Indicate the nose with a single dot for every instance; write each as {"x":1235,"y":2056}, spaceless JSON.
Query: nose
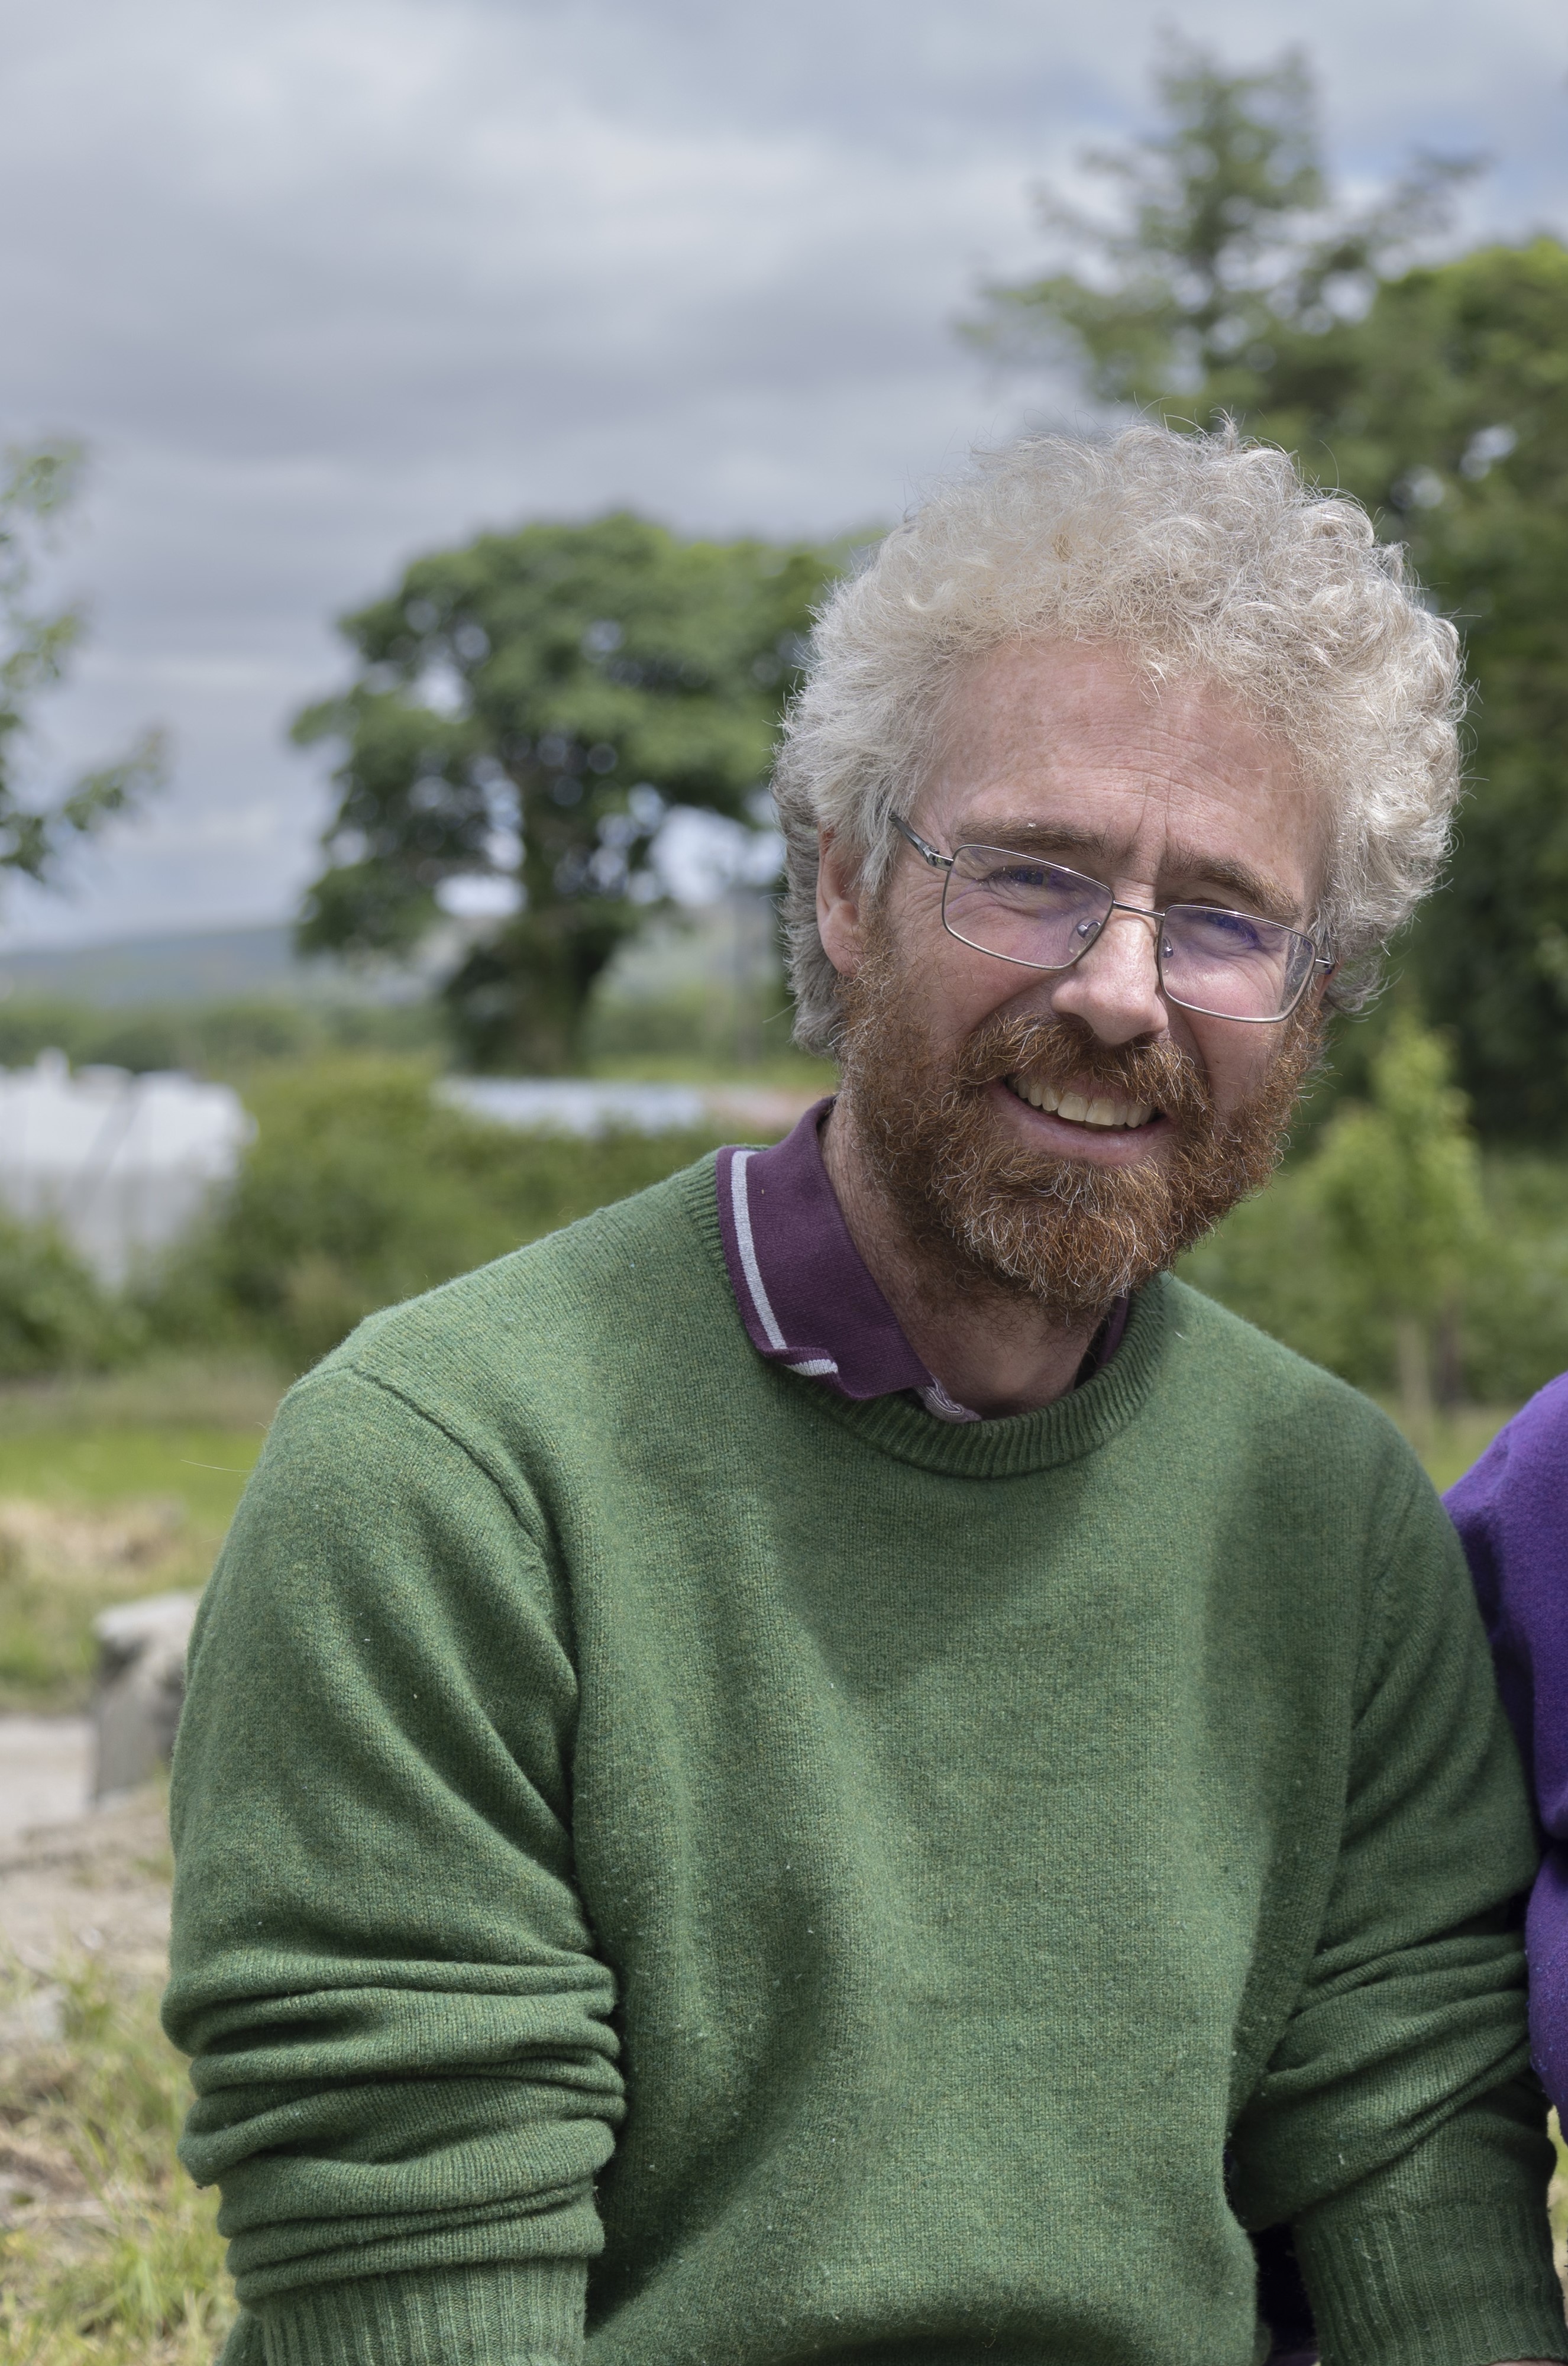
{"x":1114,"y":986}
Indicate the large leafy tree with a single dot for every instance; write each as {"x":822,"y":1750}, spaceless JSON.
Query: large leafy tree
{"x":526,"y":711}
{"x":1230,"y":285}
{"x":38,"y":484}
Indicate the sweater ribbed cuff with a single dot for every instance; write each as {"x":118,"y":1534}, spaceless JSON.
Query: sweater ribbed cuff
{"x":1443,"y":2286}
{"x":524,"y":2313}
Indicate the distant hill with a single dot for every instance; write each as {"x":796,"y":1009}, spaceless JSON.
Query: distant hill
{"x":207,"y":965}
{"x":722,"y":944}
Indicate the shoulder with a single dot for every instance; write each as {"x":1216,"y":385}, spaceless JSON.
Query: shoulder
{"x":1267,"y":1384}
{"x":1511,"y":1508}
{"x":1528,"y":1456}
{"x":1319,"y":1478}
{"x":1293,"y":1452}
{"x":563,"y":1320}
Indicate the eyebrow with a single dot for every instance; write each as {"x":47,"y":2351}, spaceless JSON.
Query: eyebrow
{"x":1256,"y":890}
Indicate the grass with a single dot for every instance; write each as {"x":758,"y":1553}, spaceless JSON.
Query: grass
{"x":110,"y":1489}
{"x":107,"y":2252}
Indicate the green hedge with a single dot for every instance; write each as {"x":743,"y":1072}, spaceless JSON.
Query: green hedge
{"x":53,"y":1315}
{"x":209,"y":1039}
{"x":1503,"y":1334}
{"x":360,"y":1190}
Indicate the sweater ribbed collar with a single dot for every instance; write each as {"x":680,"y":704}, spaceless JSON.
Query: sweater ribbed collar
{"x":805,"y":1294}
{"x":1076,"y":1424}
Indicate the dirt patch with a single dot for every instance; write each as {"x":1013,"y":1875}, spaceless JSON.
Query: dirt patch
{"x":107,"y":2252}
{"x":40,"y":1540}
{"x":97,"y":1886}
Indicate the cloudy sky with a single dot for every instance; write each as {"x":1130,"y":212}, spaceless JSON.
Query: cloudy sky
{"x":328,"y":282}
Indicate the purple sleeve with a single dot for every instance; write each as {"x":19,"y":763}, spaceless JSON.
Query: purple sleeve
{"x":1511,"y":1512}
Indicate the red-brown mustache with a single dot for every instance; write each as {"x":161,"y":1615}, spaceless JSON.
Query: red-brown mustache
{"x":1065,"y":1054}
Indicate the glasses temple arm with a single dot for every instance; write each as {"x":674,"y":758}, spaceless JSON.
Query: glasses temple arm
{"x":928,"y":853}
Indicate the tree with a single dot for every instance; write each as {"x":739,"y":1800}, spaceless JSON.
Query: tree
{"x":526,"y":709}
{"x":1230,"y":267}
{"x":1439,"y":395}
{"x":1398,"y":1180}
{"x":37,"y":486}
{"x":1455,"y":426}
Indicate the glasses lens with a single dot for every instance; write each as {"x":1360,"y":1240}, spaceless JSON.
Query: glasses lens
{"x":1231,"y":964}
{"x":1022,"y":908}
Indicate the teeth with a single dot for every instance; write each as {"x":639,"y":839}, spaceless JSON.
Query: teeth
{"x":1102,"y":1110}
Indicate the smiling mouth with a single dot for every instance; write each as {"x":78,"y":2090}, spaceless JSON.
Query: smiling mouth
{"x":1077,"y":1109}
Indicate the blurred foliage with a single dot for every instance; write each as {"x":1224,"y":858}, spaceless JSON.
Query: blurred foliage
{"x":1228,"y":263}
{"x":59,"y":1567}
{"x":38,"y":484}
{"x":53,"y":1315}
{"x":1397,"y":1255}
{"x":701,"y":1030}
{"x":697,"y":1030}
{"x":361,"y":1189}
{"x":1231,"y":283}
{"x":526,"y":709}
{"x":1397,"y":1179}
{"x":212,"y":1039}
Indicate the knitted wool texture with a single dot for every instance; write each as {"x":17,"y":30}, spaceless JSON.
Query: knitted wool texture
{"x":678,"y":1869}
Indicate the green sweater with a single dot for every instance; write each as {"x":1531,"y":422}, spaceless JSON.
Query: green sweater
{"x":809,"y":1882}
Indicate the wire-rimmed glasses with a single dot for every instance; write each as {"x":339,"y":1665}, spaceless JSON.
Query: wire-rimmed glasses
{"x":1027,"y":909}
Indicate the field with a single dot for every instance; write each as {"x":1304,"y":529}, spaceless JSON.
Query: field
{"x":109,"y":1488}
{"x":112,"y":1488}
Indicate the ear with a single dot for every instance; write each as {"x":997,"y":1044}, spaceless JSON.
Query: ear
{"x":837,"y":908}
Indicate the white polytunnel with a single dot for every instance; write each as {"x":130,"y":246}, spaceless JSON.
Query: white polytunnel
{"x":122,"y":1165}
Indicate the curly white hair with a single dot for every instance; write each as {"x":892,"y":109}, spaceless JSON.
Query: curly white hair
{"x":1197,"y":557}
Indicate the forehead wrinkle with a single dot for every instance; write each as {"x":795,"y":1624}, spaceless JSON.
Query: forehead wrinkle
{"x":1262,"y":893}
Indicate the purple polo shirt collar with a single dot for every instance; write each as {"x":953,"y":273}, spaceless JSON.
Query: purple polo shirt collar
{"x":804,"y":1291}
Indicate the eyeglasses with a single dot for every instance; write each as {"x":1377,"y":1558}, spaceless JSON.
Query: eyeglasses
{"x":1025,"y":909}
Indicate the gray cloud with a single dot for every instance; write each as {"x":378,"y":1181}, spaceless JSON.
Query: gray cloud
{"x":330,"y":282}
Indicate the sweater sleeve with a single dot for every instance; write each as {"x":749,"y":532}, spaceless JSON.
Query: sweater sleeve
{"x":405,"y":2075}
{"x":1397,"y":2126}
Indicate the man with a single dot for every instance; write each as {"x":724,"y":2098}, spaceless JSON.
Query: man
{"x":829,"y":1764}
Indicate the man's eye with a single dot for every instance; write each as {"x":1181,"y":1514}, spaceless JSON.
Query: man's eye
{"x":1027,"y":878}
{"x":1225,"y":931}
{"x":1007,"y":878}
